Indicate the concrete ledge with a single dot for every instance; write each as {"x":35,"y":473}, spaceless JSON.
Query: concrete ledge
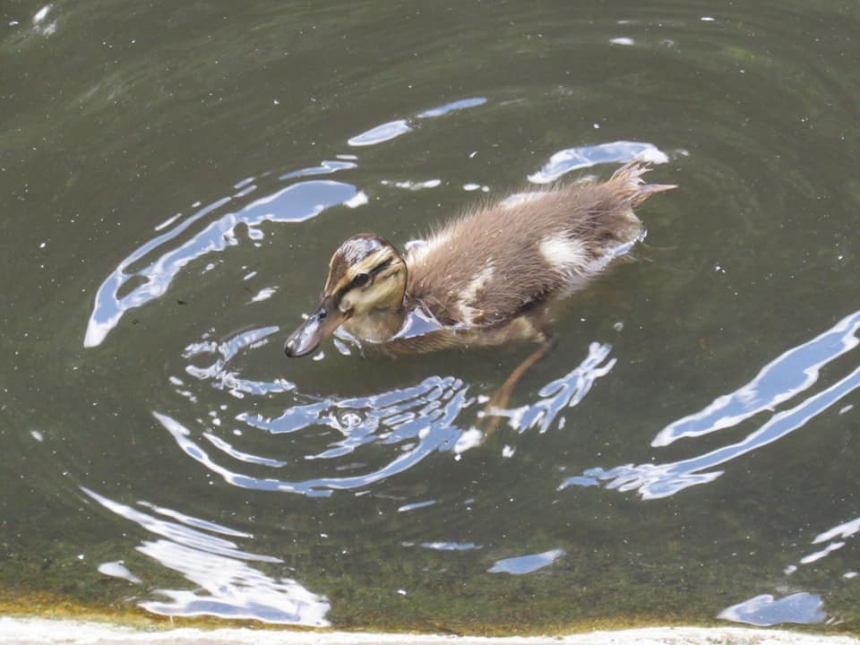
{"x":39,"y":631}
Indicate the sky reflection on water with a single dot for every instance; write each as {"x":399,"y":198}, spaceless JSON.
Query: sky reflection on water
{"x":417,"y":421}
{"x":226,"y":582}
{"x":790,"y":374}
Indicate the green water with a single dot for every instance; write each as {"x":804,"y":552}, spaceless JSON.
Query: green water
{"x":173,"y":180}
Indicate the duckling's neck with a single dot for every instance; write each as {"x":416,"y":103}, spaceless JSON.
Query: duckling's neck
{"x":378,"y":325}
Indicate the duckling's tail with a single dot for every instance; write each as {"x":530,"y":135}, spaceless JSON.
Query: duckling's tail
{"x":629,"y":180}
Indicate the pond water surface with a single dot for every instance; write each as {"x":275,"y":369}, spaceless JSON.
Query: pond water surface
{"x":173,"y":180}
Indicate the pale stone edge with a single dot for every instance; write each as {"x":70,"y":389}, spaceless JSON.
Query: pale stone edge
{"x":40,"y":631}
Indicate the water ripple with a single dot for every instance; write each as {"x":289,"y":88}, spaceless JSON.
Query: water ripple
{"x":418,"y":420}
{"x":394,"y":129}
{"x":793,"y":372}
{"x":562,"y":393}
{"x":565,"y":161}
{"x":785,"y":377}
{"x":393,"y":430}
{"x":764,"y":610}
{"x":226,"y":585}
{"x":127,"y":288}
{"x":526,"y":563}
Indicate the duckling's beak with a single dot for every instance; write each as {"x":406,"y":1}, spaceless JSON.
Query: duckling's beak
{"x":319,"y":326}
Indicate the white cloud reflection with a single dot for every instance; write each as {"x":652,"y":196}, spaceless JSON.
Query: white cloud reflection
{"x":526,"y":563}
{"x":785,"y":378}
{"x":765,"y":610}
{"x":565,"y":161}
{"x":223,"y":583}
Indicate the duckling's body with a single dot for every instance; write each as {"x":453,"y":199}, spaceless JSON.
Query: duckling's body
{"x":487,"y":277}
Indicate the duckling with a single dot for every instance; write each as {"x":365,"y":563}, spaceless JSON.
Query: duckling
{"x":489,"y":277}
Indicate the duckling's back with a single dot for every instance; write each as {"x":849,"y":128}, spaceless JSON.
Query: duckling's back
{"x":493,"y":264}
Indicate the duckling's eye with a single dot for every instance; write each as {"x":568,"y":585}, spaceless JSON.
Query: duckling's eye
{"x":360,"y":280}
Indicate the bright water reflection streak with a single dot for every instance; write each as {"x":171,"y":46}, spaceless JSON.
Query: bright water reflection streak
{"x":404,"y":425}
{"x":784,"y":378}
{"x":226,"y":582}
{"x":294,"y":203}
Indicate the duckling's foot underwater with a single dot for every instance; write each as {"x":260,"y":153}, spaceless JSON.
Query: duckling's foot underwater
{"x":491,"y":276}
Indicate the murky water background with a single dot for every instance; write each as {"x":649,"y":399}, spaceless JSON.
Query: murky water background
{"x":173,"y":180}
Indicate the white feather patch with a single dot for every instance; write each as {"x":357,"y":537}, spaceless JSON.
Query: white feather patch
{"x":469,"y":296}
{"x":565,"y":255}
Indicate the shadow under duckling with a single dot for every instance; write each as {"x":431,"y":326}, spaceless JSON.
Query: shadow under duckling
{"x":490,"y":276}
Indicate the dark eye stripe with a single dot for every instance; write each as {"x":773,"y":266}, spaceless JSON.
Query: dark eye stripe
{"x":356,"y":280}
{"x":363,"y":278}
{"x":380,"y":267}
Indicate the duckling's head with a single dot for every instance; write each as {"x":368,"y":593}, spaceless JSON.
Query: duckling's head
{"x":364,"y":291}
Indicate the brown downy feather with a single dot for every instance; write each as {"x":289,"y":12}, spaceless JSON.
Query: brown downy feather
{"x":493,"y":263}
